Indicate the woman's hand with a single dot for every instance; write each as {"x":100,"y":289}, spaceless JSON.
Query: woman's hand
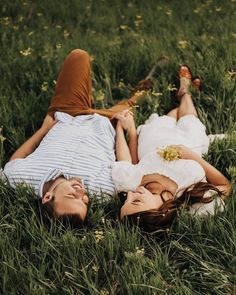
{"x":48,"y":123}
{"x":185,"y":152}
{"x":126,"y":120}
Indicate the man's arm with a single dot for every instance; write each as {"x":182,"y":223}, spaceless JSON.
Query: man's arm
{"x":213,"y":175}
{"x":31,"y":144}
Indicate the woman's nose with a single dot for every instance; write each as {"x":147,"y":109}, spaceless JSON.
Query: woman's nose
{"x":130,"y":196}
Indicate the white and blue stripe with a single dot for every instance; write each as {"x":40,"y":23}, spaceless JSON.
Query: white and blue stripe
{"x":81,"y":146}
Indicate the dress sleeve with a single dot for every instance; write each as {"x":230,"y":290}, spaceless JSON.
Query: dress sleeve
{"x":126,"y":176}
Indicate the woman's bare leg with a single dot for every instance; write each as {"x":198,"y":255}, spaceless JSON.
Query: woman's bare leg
{"x":186,"y":106}
{"x":173,"y":113}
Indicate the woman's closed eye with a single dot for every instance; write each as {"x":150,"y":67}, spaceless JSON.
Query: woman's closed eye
{"x":136,"y":201}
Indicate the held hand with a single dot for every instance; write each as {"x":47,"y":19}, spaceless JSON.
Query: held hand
{"x":48,"y":123}
{"x":126,"y":120}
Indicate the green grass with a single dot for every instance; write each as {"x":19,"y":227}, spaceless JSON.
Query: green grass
{"x":195,"y":256}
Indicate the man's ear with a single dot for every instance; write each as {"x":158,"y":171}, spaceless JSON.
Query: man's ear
{"x":47,"y":197}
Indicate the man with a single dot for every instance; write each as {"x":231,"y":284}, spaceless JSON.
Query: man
{"x":71,"y":154}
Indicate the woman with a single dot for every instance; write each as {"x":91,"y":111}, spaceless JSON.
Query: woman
{"x":162,"y":180}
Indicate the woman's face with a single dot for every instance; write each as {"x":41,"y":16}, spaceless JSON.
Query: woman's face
{"x":140,"y":200}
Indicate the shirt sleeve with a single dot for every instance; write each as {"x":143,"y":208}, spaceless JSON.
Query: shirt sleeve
{"x":126,"y":176}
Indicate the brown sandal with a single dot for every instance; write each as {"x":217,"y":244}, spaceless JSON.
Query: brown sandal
{"x":196,"y":81}
{"x":184,"y":72}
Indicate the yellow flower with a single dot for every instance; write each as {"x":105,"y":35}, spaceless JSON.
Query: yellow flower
{"x":121,"y":84}
{"x":26,"y":52}
{"x":100,"y":96}
{"x":92,"y":58}
{"x":30,"y":33}
{"x":39,"y":14}
{"x":2,"y":138}
{"x":171,"y":87}
{"x":123,"y":27}
{"x":140,"y":251}
{"x":168,"y":12}
{"x":104,"y":292}
{"x":218,"y":9}
{"x":66,"y":34}
{"x":196,"y":10}
{"x":21,"y":18}
{"x":139,"y":93}
{"x":44,"y":86}
{"x":169,"y":153}
{"x":5,"y":20}
{"x":94,"y":268}
{"x":182,"y":44}
{"x":58,"y":45}
{"x":156,"y":93}
{"x":99,"y":235}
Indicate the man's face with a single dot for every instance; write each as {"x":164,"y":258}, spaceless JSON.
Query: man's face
{"x":70,"y":198}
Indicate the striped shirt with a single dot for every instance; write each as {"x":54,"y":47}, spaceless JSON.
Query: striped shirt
{"x":81,"y":146}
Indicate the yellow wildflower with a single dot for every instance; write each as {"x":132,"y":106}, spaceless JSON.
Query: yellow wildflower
{"x":92,"y":58}
{"x":168,"y":12}
{"x":139,"y":251}
{"x":100,"y":96}
{"x":171,"y":87}
{"x":139,"y":93}
{"x":156,"y":93}
{"x":196,"y":10}
{"x":39,"y":14}
{"x":104,"y":292}
{"x":58,"y":45}
{"x":94,"y":268}
{"x":44,"y":86}
{"x":169,"y":153}
{"x":30,"y":33}
{"x":182,"y":44}
{"x":21,"y":18}
{"x":26,"y":52}
{"x":218,"y":9}
{"x":123,"y":27}
{"x":99,"y":235}
{"x":66,"y":34}
{"x":5,"y":20}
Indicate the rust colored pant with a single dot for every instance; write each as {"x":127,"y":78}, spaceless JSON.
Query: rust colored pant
{"x":73,"y":89}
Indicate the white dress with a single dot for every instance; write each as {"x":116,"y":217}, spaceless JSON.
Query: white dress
{"x":159,"y":132}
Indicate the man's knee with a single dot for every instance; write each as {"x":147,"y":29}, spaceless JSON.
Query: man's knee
{"x":79,"y":53}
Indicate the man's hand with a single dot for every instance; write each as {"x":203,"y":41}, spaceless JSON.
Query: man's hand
{"x":48,"y":123}
{"x":126,"y":120}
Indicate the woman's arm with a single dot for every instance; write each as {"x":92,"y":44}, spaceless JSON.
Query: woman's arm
{"x":31,"y":144}
{"x":126,"y":123}
{"x":122,"y":149}
{"x":213,"y":175}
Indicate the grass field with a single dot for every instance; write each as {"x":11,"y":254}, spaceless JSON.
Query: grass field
{"x":124,"y":38}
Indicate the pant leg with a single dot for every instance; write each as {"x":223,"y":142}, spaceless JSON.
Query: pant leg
{"x":73,"y":89}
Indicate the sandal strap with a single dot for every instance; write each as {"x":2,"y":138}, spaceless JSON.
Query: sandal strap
{"x":184,"y":72}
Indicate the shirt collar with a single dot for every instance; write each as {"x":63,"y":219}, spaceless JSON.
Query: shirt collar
{"x":49,"y":175}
